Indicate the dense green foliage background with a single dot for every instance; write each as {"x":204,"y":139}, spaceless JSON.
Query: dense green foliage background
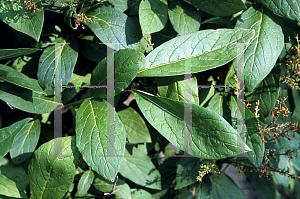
{"x":153,"y":41}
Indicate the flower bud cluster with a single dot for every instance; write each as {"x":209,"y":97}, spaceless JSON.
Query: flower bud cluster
{"x":205,"y":169}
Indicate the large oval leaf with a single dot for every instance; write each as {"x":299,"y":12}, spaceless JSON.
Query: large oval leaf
{"x":11,"y":75}
{"x":122,"y":32}
{"x":127,"y":63}
{"x":210,"y":137}
{"x":7,"y":135}
{"x":138,"y":167}
{"x":47,"y":68}
{"x":209,"y":49}
{"x":265,"y":46}
{"x":51,"y":176}
{"x":16,"y":15}
{"x":153,"y":15}
{"x":26,"y":100}
{"x":287,"y":8}
{"x":25,"y":142}
{"x":92,"y":137}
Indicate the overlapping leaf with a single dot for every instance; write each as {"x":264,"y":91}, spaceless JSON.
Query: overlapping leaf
{"x":208,"y":49}
{"x":224,"y":188}
{"x":7,"y":135}
{"x":11,"y":75}
{"x":284,"y":8}
{"x":8,"y":187}
{"x":68,"y":54}
{"x":219,"y":7}
{"x":209,"y":135}
{"x":10,"y":53}
{"x":136,"y":129}
{"x":266,"y":92}
{"x":153,"y":15}
{"x":50,"y":175}
{"x":121,"y":33}
{"x":26,"y":100}
{"x":127,"y":63}
{"x":265,"y":46}
{"x":92,"y":137}
{"x":138,"y":167}
{"x":85,"y":183}
{"x":175,"y":88}
{"x":186,"y":171}
{"x":184,"y":18}
{"x":25,"y":142}
{"x":17,"y":16}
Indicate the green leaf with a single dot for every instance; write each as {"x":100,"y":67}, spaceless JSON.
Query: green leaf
{"x":92,"y":139}
{"x":265,"y":47}
{"x":121,"y":32}
{"x":89,"y":46}
{"x":124,"y":190}
{"x":47,"y":68}
{"x":203,"y":189}
{"x":12,"y":76}
{"x":153,"y":15}
{"x":26,"y":100}
{"x":29,"y":22}
{"x":7,"y":135}
{"x":224,"y":188}
{"x":50,"y":176}
{"x":174,"y":88}
{"x":17,"y":52}
{"x":206,"y":93}
{"x":140,"y":194}
{"x":186,"y":172}
{"x":25,"y":142}
{"x":218,"y":105}
{"x":219,"y":7}
{"x":209,"y":49}
{"x":15,"y":173}
{"x":85,"y":183}
{"x":138,"y":167}
{"x":8,"y":187}
{"x":184,"y":18}
{"x":127,"y":63}
{"x":136,"y":129}
{"x":210,"y":137}
{"x":288,"y":8}
{"x":266,"y":92}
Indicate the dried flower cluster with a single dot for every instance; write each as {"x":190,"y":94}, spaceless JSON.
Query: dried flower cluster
{"x":292,"y":76}
{"x":205,"y":169}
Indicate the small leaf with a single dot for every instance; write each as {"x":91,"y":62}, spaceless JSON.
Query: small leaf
{"x":25,"y":142}
{"x":17,"y":52}
{"x":121,"y":32}
{"x":47,"y":68}
{"x":138,"y":167}
{"x":8,"y":187}
{"x":50,"y":176}
{"x":209,"y":49}
{"x":136,"y":129}
{"x":224,"y":188}
{"x":12,"y":76}
{"x":184,"y":18}
{"x":7,"y":135}
{"x":140,"y":194}
{"x":153,"y":15}
{"x":29,"y":22}
{"x":26,"y":100}
{"x":92,"y":137}
{"x":210,"y":135}
{"x":85,"y":183}
{"x":127,"y":63}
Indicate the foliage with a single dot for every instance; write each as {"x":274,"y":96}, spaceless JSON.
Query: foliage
{"x":171,"y":60}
